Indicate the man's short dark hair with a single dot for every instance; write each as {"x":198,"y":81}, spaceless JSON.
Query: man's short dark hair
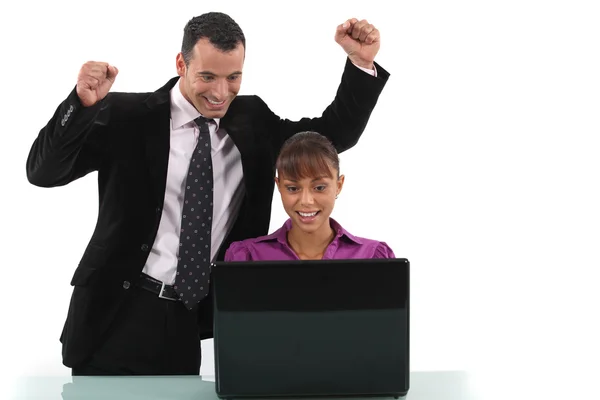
{"x":219,"y":28}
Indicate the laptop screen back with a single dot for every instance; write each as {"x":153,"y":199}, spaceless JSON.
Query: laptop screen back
{"x":311,"y":328}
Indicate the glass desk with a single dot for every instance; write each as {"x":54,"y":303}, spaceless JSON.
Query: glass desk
{"x":443,"y":385}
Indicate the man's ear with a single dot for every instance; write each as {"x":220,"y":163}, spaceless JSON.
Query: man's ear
{"x":180,"y":64}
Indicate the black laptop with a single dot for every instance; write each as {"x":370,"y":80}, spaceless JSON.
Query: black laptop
{"x":311,"y":328}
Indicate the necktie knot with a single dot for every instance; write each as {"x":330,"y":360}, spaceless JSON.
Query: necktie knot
{"x":202,"y":123}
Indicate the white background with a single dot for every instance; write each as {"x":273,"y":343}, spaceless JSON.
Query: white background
{"x":480,"y":164}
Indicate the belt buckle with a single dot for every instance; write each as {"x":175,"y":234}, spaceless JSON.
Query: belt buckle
{"x":162,"y":290}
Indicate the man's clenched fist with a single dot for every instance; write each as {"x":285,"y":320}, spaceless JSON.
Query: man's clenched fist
{"x":94,"y":81}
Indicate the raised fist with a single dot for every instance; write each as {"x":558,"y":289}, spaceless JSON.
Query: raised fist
{"x":94,"y":81}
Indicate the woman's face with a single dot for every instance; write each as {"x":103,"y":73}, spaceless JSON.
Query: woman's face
{"x":310,"y":201}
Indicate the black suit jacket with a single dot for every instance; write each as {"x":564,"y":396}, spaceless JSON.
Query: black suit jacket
{"x":125,"y":138}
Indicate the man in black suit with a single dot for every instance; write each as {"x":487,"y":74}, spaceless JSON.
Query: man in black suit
{"x":182,"y":172}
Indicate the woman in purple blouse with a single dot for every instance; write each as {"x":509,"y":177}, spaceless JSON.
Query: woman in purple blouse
{"x":309,"y":181}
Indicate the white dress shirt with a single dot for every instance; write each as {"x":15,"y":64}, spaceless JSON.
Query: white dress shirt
{"x":228,"y":189}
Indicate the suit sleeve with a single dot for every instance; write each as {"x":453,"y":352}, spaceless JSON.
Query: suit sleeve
{"x":345,"y":119}
{"x":70,"y":146}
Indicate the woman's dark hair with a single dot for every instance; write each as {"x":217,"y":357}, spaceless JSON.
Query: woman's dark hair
{"x":305,"y":155}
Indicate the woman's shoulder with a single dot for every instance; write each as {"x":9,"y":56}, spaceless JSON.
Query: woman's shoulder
{"x":255,"y":248}
{"x":378,"y":248}
{"x":242,"y":250}
{"x":371,"y":248}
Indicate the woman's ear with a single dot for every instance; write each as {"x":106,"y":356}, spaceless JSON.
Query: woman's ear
{"x":340,"y":185}
{"x":277,"y":184}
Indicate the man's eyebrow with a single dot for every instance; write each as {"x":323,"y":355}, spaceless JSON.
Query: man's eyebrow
{"x":213,"y":74}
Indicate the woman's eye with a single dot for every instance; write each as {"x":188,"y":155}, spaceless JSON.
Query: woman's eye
{"x":291,"y":189}
{"x":320,"y":188}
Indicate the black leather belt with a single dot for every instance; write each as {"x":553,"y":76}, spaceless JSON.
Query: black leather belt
{"x":157,"y":287}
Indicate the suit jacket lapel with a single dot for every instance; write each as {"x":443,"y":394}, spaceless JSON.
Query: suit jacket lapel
{"x":238,"y":126}
{"x":234,"y":122}
{"x":157,"y":125}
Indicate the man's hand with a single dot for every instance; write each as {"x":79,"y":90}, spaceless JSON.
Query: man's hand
{"x":94,"y":81}
{"x":360,"y":40}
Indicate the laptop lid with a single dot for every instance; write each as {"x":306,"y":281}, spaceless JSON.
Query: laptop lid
{"x":311,"y":328}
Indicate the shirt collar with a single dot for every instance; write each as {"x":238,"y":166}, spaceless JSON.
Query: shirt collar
{"x":341,"y":232}
{"x":280,"y":234}
{"x":182,"y":111}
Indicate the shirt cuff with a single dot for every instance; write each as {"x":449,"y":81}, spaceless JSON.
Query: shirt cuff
{"x":372,"y":72}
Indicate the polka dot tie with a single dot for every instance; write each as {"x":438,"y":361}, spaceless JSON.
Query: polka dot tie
{"x":193,"y":266}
